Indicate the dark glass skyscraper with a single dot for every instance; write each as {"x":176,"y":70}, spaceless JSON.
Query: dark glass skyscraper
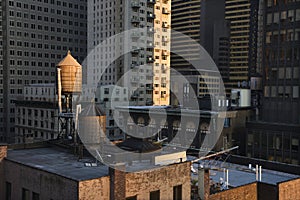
{"x":276,"y":136}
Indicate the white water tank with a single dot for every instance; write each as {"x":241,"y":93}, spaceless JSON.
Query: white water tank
{"x":241,"y":97}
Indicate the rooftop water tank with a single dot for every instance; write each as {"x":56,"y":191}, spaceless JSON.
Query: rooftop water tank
{"x":71,"y":75}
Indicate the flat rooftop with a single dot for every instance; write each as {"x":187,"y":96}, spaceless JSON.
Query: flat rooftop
{"x":58,"y":161}
{"x":241,"y":175}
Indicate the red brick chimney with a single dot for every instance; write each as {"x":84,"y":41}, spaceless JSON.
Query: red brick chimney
{"x":117,"y":183}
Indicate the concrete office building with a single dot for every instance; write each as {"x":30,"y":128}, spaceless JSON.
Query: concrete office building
{"x":185,"y":19}
{"x":198,"y":20}
{"x":108,"y":97}
{"x":215,"y":34}
{"x":148,"y":58}
{"x":275,"y":135}
{"x":34,"y":36}
{"x":226,"y":29}
{"x":36,"y":114}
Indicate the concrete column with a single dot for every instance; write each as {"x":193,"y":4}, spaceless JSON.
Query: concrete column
{"x":203,"y":183}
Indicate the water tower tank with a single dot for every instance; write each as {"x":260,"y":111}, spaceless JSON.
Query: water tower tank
{"x":71,"y":75}
{"x":92,"y":125}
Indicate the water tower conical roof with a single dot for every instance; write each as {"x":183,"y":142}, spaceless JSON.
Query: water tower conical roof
{"x":93,"y":110}
{"x":69,"y":60}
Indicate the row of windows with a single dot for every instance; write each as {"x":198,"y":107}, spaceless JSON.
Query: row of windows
{"x":46,"y":28}
{"x":52,"y":20}
{"x":283,"y":36}
{"x":36,"y":113}
{"x":33,"y":63}
{"x":18,"y":14}
{"x":28,"y":135}
{"x":281,"y":91}
{"x":36,"y":123}
{"x":27,"y":82}
{"x":46,"y":37}
{"x":277,"y":2}
{"x":289,"y":16}
{"x":39,"y":8}
{"x":26,"y":72}
{"x":40,"y":55}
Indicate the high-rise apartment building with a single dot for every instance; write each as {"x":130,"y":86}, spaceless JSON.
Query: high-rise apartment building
{"x":34,"y":36}
{"x":275,"y":136}
{"x":243,"y":21}
{"x":143,"y":52}
{"x":186,"y":20}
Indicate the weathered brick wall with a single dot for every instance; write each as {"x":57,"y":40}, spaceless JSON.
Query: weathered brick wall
{"x":163,"y":179}
{"x":246,"y":192}
{"x":94,"y":189}
{"x":3,"y":154}
{"x":289,"y":190}
{"x":49,"y":186}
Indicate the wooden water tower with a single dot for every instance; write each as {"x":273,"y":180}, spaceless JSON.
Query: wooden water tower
{"x":69,"y":84}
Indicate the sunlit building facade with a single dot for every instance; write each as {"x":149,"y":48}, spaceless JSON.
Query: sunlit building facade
{"x":139,"y":60}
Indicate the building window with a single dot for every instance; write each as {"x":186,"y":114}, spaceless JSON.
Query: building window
{"x":8,"y":191}
{"x":25,"y":194}
{"x":295,"y":145}
{"x":131,"y":198}
{"x":177,"y":192}
{"x":155,"y":195}
{"x":35,"y":196}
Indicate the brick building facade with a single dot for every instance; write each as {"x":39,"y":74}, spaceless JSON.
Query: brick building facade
{"x":51,"y":173}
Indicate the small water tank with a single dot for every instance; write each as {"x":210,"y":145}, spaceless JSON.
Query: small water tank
{"x":92,"y":125}
{"x":71,"y":75}
{"x":241,"y":97}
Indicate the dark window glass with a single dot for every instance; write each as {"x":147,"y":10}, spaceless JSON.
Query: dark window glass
{"x":155,"y":195}
{"x":8,"y":191}
{"x":177,"y":192}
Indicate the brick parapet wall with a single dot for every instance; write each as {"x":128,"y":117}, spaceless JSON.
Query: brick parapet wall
{"x":94,"y":189}
{"x":164,"y":178}
{"x":246,"y":192}
{"x":289,"y":189}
